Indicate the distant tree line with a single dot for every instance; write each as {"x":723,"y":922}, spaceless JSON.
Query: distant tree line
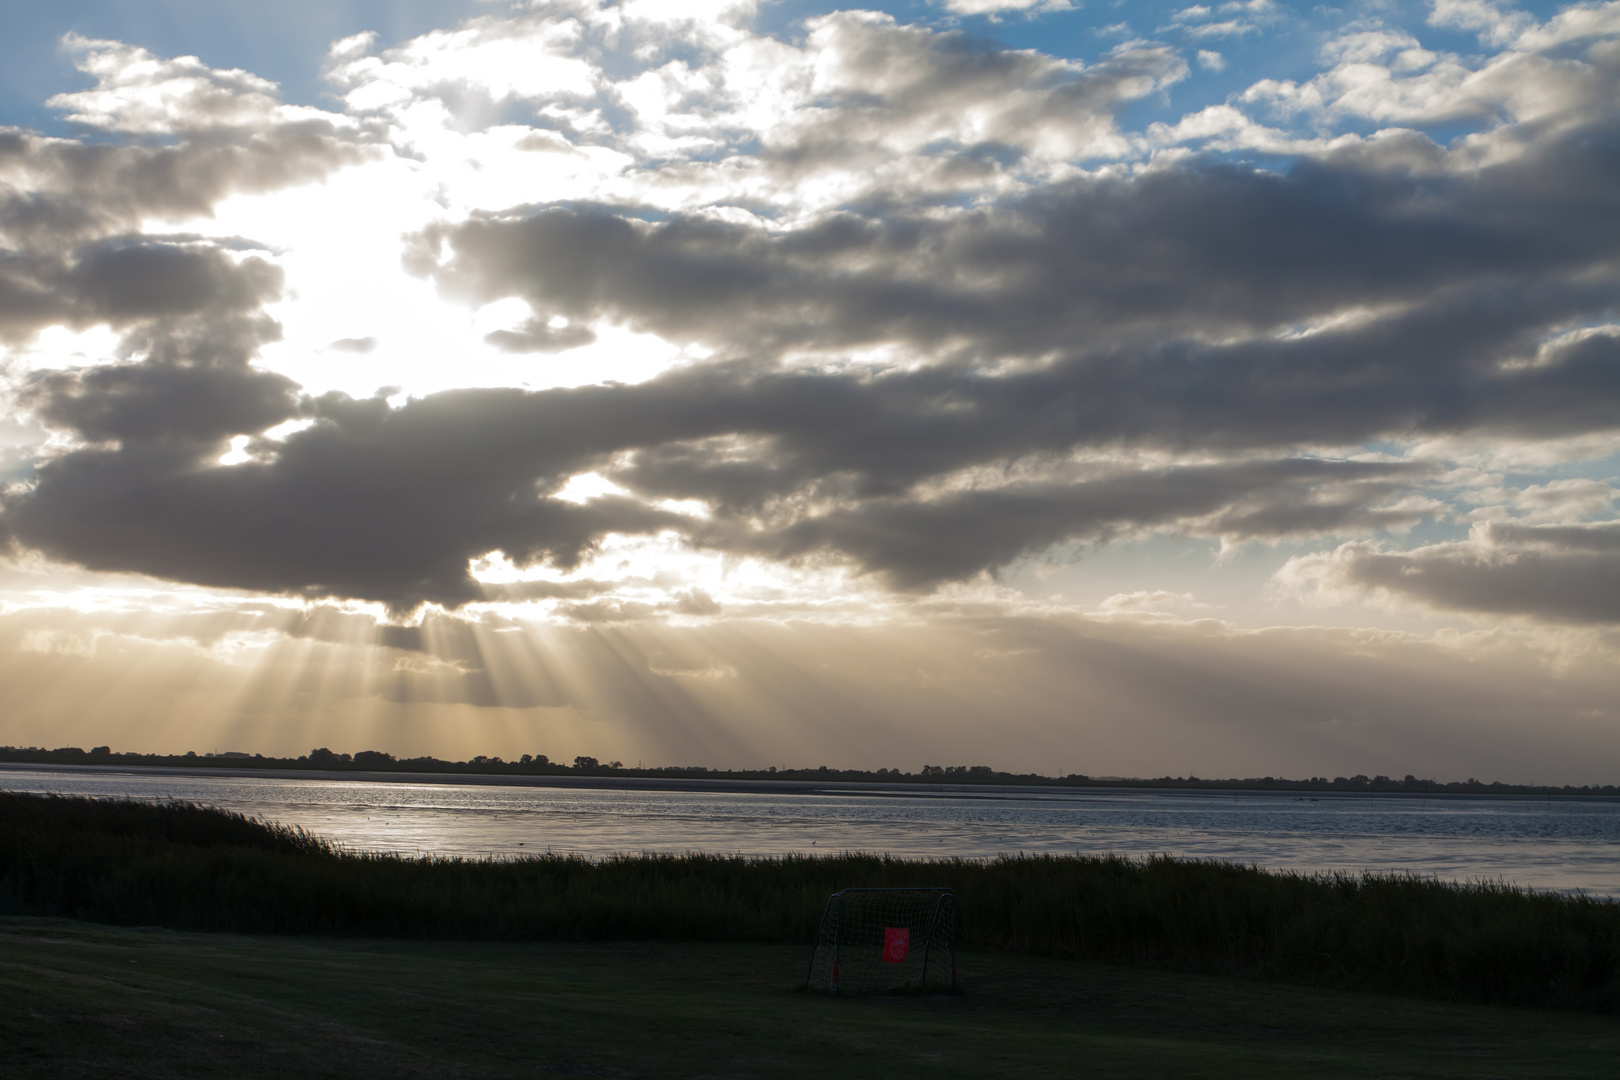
{"x":539,"y":765}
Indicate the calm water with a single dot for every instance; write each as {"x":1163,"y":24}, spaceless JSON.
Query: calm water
{"x":1561,"y":845}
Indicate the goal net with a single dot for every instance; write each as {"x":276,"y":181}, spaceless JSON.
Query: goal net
{"x":886,"y":939}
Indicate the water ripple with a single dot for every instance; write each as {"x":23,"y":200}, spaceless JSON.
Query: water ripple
{"x":1560,"y":845}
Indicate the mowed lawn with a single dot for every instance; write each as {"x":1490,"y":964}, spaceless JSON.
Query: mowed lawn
{"x":78,"y":999}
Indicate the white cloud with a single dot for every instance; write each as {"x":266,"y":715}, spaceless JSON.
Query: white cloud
{"x":1226,"y":28}
{"x":1555,"y":502}
{"x":138,"y":93}
{"x":1366,"y":46}
{"x":1387,"y":77}
{"x":1152,"y":601}
{"x":1496,"y":24}
{"x":534,"y":57}
{"x":667,"y":12}
{"x":996,"y":7}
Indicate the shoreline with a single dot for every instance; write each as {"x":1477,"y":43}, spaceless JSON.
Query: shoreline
{"x":751,"y":786}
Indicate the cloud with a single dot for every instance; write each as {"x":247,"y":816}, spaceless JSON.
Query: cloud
{"x":1555,"y":75}
{"x":1363,"y":46}
{"x":917,"y":543}
{"x":1200,"y":21}
{"x":406,"y":495}
{"x":499,"y":58}
{"x":392,"y":504}
{"x":700,"y":112}
{"x":920,"y":389}
{"x":880,"y":85}
{"x":545,"y":590}
{"x":138,"y":93}
{"x":120,"y":281}
{"x":1153,"y":602}
{"x":1550,"y":573}
{"x":1354,"y":296}
{"x":540,"y":336}
{"x":1196,"y":310}
{"x":1557,"y":501}
{"x":195,"y":401}
{"x":177,"y":137}
{"x":1494,"y":25}
{"x":996,"y":7}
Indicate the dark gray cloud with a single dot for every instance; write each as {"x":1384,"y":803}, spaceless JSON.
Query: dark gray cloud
{"x":392,"y":504}
{"x":124,"y":280}
{"x":192,"y":314}
{"x":539,"y":336}
{"x":159,"y":403}
{"x":1552,"y":573}
{"x":369,"y":502}
{"x":1163,"y":310}
{"x":1598,"y":538}
{"x":1207,"y":252}
{"x":918,"y":543}
{"x":117,"y":282}
{"x":58,"y":191}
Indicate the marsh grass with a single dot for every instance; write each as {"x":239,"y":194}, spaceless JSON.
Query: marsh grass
{"x":196,"y":868}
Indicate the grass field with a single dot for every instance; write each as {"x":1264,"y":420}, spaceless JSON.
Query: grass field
{"x":78,"y":999}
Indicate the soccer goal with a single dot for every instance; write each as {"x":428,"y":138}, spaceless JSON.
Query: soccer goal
{"x":886,"y":939}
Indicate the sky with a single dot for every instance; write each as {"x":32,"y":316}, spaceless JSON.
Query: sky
{"x":1124,"y":389}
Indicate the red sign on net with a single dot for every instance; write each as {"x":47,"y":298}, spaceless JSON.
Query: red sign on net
{"x":896,"y":944}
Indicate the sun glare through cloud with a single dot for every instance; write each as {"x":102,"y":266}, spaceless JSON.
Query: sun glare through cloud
{"x":1228,"y":387}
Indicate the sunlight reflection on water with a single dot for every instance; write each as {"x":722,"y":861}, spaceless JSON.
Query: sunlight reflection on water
{"x":1546,"y":844}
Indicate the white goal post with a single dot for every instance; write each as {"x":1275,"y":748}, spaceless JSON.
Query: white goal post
{"x":873,"y":940}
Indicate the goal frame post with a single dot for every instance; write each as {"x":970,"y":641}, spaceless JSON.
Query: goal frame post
{"x":944,"y":907}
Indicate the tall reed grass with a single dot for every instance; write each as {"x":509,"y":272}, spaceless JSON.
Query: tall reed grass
{"x":190,"y":867}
